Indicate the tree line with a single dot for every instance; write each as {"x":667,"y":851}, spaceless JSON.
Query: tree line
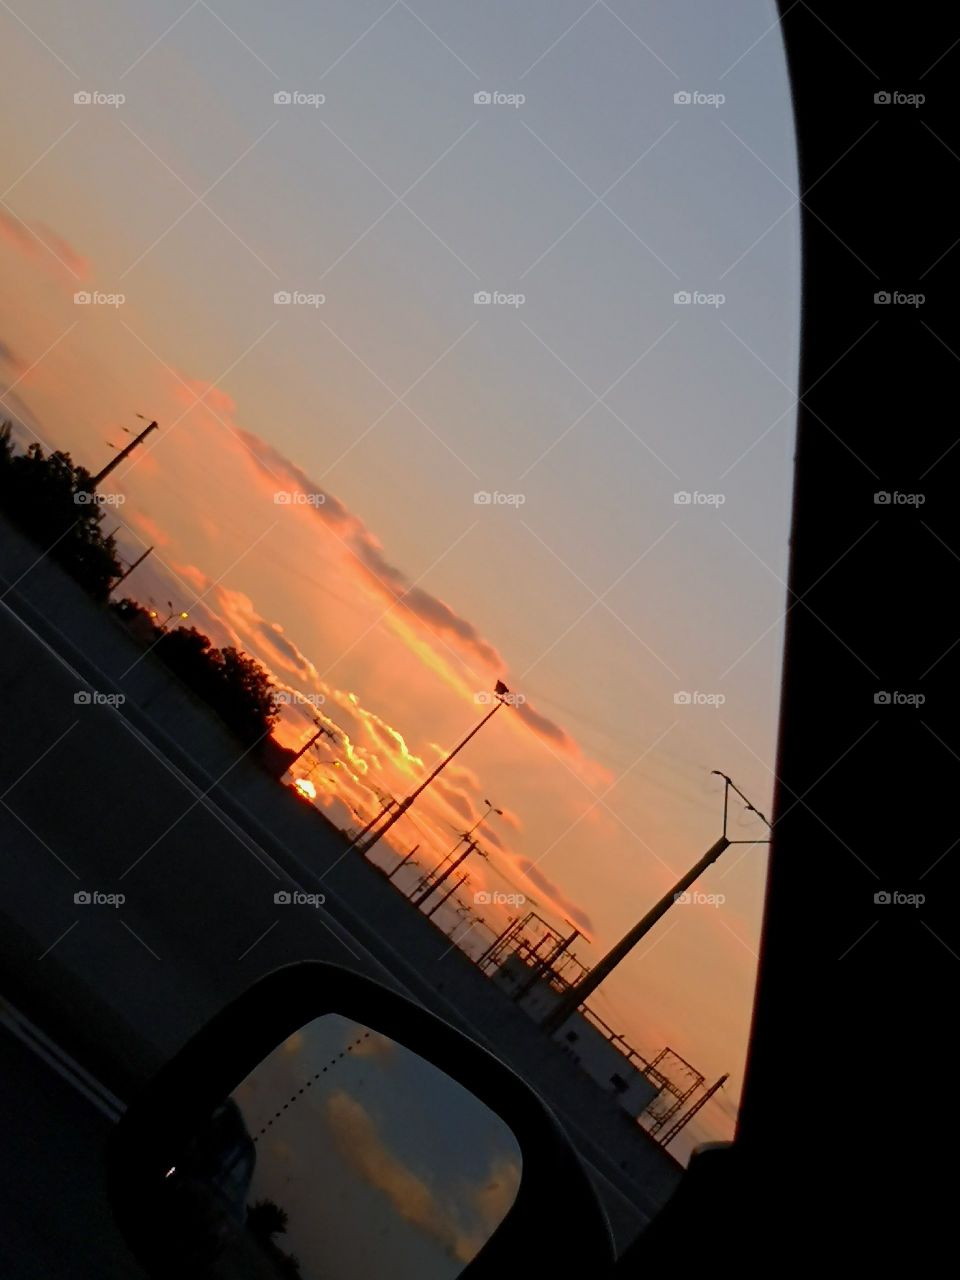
{"x":50,"y":499}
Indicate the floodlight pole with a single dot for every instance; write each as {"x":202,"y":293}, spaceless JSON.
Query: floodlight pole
{"x":403,"y":805}
{"x":576,"y":995}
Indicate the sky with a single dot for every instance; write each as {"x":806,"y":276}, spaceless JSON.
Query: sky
{"x":423,"y":1168}
{"x":393,"y":491}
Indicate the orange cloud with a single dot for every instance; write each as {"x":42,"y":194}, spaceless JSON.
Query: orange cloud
{"x":158,"y":537}
{"x":373,"y":568}
{"x":190,"y":573}
{"x":37,"y":241}
{"x":435,"y":616}
{"x":360,"y":1144}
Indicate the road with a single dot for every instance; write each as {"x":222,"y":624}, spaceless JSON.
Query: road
{"x":107,"y":799}
{"x":56,"y":1224}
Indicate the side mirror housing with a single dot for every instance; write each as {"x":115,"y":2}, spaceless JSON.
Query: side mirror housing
{"x":323,"y":1126}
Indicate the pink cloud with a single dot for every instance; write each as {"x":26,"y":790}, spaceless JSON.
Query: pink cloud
{"x":36,"y":241}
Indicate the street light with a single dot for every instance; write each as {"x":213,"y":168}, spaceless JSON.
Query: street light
{"x":500,"y":695}
{"x":464,"y":835}
{"x":182,"y":613}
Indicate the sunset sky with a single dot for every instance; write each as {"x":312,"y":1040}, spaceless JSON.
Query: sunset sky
{"x":380,"y":412}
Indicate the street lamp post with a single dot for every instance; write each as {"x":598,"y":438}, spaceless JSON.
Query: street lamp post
{"x":465,"y":835}
{"x":421,"y":897}
{"x":163,"y":625}
{"x":500,"y":696}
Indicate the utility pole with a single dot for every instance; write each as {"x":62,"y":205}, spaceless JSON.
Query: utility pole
{"x":453,"y":889}
{"x":671,"y":1133}
{"x":124,"y":453}
{"x":386,"y":808}
{"x":127,"y":572}
{"x":545,"y":965}
{"x":430,"y":889}
{"x":500,"y":695}
{"x":464,"y":835}
{"x":576,"y":995}
{"x":501,"y":939}
{"x":403,"y":861}
{"x":321,"y":730}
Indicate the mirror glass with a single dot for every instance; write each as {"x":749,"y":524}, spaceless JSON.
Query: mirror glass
{"x":342,"y":1155}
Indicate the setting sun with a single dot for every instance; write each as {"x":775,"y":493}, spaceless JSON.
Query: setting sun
{"x":306,"y":788}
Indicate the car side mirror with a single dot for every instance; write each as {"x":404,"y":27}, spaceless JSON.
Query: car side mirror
{"x":324,"y":1127}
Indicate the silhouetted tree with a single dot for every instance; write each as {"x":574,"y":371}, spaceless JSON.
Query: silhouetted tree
{"x":266,"y":1219}
{"x":233,"y":683}
{"x":250,"y":706}
{"x":50,"y":499}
